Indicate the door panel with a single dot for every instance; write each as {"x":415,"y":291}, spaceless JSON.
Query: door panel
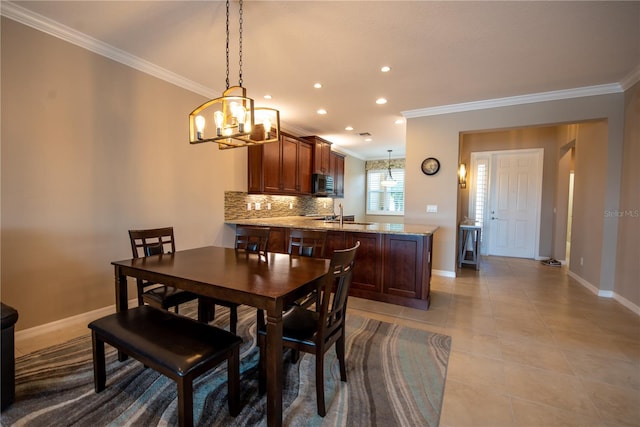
{"x":514,"y":201}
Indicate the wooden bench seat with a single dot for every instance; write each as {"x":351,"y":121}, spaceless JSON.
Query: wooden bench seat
{"x":176,"y":346}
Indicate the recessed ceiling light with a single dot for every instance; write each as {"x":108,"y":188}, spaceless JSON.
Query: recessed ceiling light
{"x":321,"y":111}
{"x":317,"y":85}
{"x":381,"y":101}
{"x":385,"y":69}
{"x":368,"y":139}
{"x":349,"y":128}
{"x":267,"y":97}
{"x":399,"y":121}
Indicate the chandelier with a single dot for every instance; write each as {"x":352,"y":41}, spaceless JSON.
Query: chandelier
{"x":388,"y":181}
{"x":232,"y":120}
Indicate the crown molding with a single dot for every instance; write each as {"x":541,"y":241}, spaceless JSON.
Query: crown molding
{"x":516,"y":100}
{"x":56,"y":29}
{"x":630,"y":79}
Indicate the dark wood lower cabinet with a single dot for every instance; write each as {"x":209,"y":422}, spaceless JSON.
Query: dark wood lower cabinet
{"x":393,"y":268}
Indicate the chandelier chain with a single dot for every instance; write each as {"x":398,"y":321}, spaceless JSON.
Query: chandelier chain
{"x":227,"y":47}
{"x":240,"y":63}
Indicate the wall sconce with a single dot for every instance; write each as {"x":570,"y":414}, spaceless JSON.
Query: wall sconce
{"x":462,"y":176}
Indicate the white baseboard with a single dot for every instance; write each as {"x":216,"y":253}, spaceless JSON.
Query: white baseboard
{"x":79,"y":319}
{"x":443,"y":273}
{"x":606,"y":294}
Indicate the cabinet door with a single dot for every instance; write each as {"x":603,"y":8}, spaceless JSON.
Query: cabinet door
{"x":367,"y":272}
{"x":271,"y":167}
{"x":335,"y":240}
{"x":403,"y":265}
{"x":337,"y":171}
{"x":305,"y":167}
{"x":289,"y":165}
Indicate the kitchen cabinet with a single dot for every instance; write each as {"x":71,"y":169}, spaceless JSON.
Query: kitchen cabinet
{"x":282,"y":167}
{"x":336,"y":169}
{"x":391,"y":266}
{"x":367,"y":273}
{"x":321,"y":154}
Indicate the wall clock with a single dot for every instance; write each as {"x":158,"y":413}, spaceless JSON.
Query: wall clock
{"x":430,"y":166}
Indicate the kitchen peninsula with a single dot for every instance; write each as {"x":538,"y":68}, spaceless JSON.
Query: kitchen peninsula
{"x":393,"y":263}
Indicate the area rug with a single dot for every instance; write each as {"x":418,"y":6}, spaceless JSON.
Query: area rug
{"x":395,"y":377}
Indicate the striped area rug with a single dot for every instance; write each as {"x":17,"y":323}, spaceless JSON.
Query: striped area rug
{"x":395,"y":377}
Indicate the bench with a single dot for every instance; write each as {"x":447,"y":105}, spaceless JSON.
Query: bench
{"x":176,"y":346}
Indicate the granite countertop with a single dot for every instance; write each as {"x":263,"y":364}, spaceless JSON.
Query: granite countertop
{"x":318,"y":224}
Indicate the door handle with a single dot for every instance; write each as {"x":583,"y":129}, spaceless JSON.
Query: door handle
{"x":493,"y":217}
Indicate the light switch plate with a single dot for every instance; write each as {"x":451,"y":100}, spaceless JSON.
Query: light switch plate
{"x":432,"y":208}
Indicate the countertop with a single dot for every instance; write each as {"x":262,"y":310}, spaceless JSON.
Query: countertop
{"x":318,"y":224}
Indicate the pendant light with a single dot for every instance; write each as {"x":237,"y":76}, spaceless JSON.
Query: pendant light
{"x":388,"y":181}
{"x":232,"y":120}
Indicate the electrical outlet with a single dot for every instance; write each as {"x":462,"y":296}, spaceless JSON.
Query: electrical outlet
{"x":248,"y":206}
{"x":581,"y":261}
{"x":257,"y":206}
{"x":268,"y":206}
{"x":290,"y":205}
{"x":324,"y":205}
{"x":432,"y":208}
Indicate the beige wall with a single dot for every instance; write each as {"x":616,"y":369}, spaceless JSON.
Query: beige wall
{"x":628,"y":255}
{"x":439,"y":135}
{"x":91,"y":148}
{"x":589,"y":203}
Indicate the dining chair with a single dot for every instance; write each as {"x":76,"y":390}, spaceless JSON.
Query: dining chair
{"x":253,"y":240}
{"x":316,"y":331}
{"x":159,"y":241}
{"x":307,"y":242}
{"x":311,"y":243}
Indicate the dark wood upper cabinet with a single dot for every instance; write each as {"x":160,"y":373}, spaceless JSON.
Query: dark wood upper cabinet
{"x":282,"y":167}
{"x":321,"y":154}
{"x":336,"y":170}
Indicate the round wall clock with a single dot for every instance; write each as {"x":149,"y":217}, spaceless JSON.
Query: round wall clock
{"x":430,"y":166}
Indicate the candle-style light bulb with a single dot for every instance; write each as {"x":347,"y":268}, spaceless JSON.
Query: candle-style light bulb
{"x":267,"y":128}
{"x":199,"y":126}
{"x":218,"y":117}
{"x":240,"y":113}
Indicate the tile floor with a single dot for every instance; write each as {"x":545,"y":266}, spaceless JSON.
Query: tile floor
{"x":530,"y":347}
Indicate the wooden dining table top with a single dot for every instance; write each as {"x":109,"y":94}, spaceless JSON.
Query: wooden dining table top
{"x":229,"y":274}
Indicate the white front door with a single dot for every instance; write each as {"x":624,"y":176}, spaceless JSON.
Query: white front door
{"x":513,"y":217}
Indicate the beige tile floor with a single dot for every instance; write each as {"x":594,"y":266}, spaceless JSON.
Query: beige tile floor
{"x":530,"y":348}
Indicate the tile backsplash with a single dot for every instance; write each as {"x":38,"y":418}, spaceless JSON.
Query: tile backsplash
{"x":236,"y":203}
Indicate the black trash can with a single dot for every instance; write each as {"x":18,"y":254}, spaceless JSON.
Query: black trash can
{"x":7,"y":358}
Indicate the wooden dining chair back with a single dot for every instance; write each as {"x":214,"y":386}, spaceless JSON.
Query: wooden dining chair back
{"x":253,"y":240}
{"x":310,"y":243}
{"x":160,"y":241}
{"x":157,"y":241}
{"x":316,"y":331}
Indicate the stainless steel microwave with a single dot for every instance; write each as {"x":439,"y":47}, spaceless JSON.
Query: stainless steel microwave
{"x":322,"y":185}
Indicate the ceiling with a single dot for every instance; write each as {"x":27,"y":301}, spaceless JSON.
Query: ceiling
{"x":440,"y":54}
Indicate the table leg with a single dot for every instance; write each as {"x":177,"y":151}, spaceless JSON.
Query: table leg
{"x":274,"y":367}
{"x":122,"y":302}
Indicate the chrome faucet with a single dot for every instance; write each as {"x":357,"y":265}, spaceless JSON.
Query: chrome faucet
{"x":341,"y":214}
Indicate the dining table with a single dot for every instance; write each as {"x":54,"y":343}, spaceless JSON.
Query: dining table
{"x":268,"y":283}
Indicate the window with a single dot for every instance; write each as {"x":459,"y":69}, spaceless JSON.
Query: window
{"x":385,"y":200}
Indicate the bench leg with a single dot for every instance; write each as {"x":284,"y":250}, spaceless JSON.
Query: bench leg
{"x":99,"y":369}
{"x":185,"y":401}
{"x":233,"y":381}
